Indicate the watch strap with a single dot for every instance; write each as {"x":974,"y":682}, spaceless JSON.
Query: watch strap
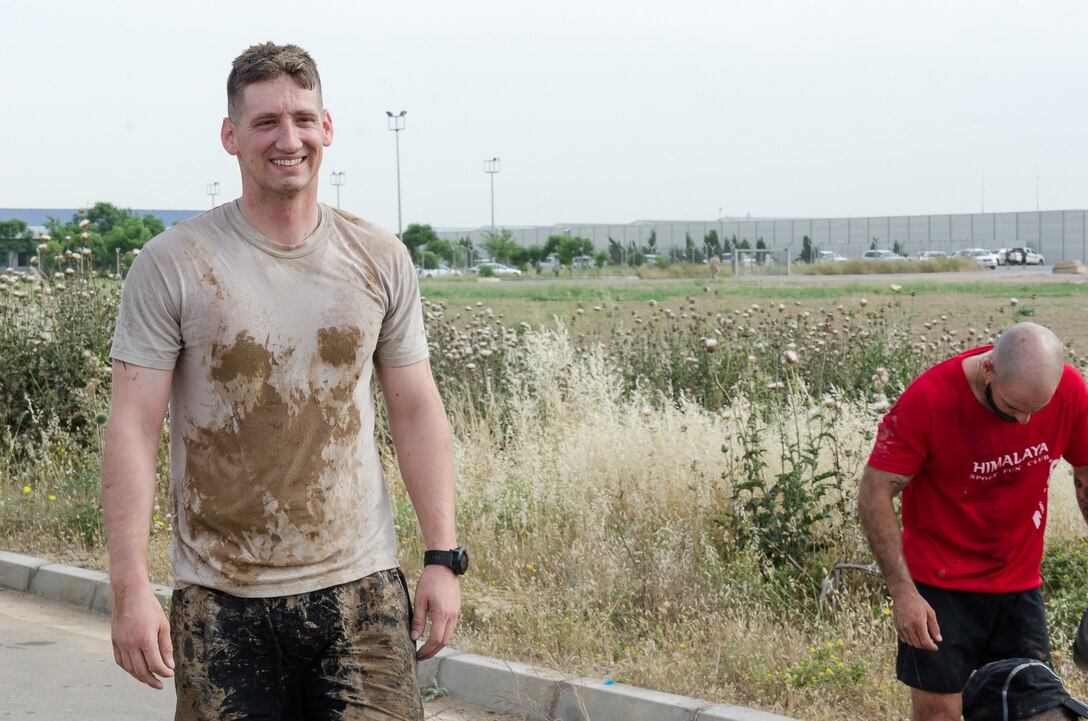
{"x":455,"y":559}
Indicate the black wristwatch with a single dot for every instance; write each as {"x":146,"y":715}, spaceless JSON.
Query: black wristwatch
{"x":455,"y":559}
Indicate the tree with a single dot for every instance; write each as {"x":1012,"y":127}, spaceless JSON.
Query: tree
{"x":651,"y":242}
{"x":124,"y":237}
{"x":442,"y":250}
{"x":898,"y":249}
{"x":692,"y":253}
{"x":418,"y":236}
{"x":16,"y":238}
{"x":808,"y":253}
{"x":551,"y":245}
{"x":760,"y":245}
{"x":524,"y":257}
{"x":110,"y":233}
{"x":501,"y":246}
{"x":713,"y":244}
{"x":615,"y":251}
{"x":104,"y":216}
{"x":567,"y":247}
{"x":533,"y":256}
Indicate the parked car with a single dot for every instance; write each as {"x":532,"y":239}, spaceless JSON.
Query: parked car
{"x":985,"y":258}
{"x":881,"y":254}
{"x":933,"y":255}
{"x":830,"y":256}
{"x":441,"y":271}
{"x":496,"y":269}
{"x":1024,"y":255}
{"x":588,"y":261}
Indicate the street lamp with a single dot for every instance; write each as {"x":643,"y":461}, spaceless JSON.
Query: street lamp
{"x":396,"y":124}
{"x":338,"y":180}
{"x":491,"y":167}
{"x":213,"y":190}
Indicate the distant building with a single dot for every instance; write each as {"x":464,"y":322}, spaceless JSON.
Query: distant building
{"x":1057,"y":234}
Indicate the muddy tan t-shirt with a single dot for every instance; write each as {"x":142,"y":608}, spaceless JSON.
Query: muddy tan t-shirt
{"x":275,"y":482}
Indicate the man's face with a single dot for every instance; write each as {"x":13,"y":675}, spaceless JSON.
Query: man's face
{"x":1012,"y":405}
{"x":278,"y":137}
{"x":1007,"y":417}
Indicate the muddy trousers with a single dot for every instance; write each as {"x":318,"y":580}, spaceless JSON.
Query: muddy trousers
{"x":338,"y":654}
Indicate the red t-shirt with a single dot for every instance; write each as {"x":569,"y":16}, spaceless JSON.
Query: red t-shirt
{"x":975,"y":510}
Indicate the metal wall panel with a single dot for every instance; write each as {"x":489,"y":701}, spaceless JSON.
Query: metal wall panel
{"x":1057,"y":234}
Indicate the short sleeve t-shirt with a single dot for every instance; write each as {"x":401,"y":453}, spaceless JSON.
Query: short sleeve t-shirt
{"x":974,"y":513}
{"x":276,"y":485}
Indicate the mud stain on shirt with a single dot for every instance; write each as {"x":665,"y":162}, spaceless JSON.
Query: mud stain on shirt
{"x":338,"y":346}
{"x":258,"y":487}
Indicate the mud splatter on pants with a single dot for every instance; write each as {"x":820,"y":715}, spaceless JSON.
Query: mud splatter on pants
{"x":338,"y":654}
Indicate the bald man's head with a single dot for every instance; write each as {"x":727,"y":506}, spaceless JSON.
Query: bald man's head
{"x":1031,"y":359}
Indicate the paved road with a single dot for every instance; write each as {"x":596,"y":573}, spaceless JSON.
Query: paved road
{"x":56,"y":664}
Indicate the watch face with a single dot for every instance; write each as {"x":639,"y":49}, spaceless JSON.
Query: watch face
{"x":460,"y":560}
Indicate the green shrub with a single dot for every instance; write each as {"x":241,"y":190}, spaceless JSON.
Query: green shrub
{"x":54,"y":344}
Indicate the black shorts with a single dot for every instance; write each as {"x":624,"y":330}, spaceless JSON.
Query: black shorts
{"x":337,"y":654}
{"x":977,"y":628}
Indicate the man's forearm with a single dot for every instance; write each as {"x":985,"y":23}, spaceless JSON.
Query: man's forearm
{"x":128,"y":497}
{"x":881,"y":527}
{"x":1080,"y":486}
{"x":425,"y":457}
{"x":421,"y":436}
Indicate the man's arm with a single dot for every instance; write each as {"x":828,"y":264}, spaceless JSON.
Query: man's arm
{"x":915,"y":620}
{"x":421,"y":436}
{"x":1080,"y":485}
{"x":141,"y":634}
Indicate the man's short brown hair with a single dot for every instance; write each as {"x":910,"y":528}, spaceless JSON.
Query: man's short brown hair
{"x":269,"y":61}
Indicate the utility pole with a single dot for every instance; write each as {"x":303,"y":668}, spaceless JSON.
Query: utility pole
{"x":491,"y":167}
{"x":338,"y":180}
{"x":396,"y":124}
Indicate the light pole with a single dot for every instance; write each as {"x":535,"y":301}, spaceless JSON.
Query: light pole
{"x":491,"y":167}
{"x":338,"y":180}
{"x":396,"y":124}
{"x":213,"y":190}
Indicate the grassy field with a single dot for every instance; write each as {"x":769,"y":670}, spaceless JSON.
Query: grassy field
{"x":656,"y":475}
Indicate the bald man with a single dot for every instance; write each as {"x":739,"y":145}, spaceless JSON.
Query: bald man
{"x":971,"y":444}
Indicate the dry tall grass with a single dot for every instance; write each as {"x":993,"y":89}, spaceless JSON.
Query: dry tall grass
{"x":594,"y":520}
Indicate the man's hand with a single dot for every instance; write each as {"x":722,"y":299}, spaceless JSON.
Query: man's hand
{"x":438,"y":595}
{"x":915,"y":621}
{"x":141,"y":636}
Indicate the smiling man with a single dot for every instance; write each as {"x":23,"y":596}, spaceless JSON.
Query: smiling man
{"x":972,"y":444}
{"x":260,"y":324}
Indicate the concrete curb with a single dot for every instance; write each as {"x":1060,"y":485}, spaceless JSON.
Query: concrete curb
{"x":499,"y":685}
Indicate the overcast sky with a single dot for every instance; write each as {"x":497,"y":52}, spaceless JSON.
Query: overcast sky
{"x":600,"y":111}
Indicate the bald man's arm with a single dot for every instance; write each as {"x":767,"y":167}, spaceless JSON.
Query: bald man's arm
{"x":1080,"y":485}
{"x":916,"y":622}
